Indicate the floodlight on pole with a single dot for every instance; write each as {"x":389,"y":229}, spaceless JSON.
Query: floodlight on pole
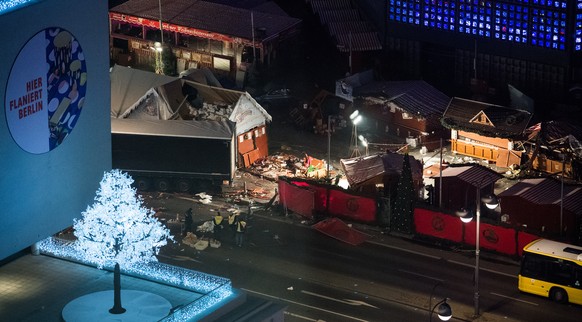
{"x":491,"y":202}
{"x":364,"y":142}
{"x":356,"y":118}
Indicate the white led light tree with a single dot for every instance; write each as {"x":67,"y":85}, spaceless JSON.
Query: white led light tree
{"x":118,"y":229}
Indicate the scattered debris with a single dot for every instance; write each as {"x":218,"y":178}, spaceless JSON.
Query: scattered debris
{"x":190,"y":239}
{"x":206,"y":227}
{"x":204,"y":198}
{"x":202,"y":244}
{"x":283,"y":164}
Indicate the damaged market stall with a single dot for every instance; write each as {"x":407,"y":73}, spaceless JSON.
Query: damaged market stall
{"x":145,"y":96}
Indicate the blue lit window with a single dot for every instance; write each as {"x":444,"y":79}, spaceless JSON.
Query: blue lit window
{"x":475,"y":18}
{"x":548,"y":29}
{"x":405,"y":11}
{"x":578,"y":27}
{"x":511,"y":22}
{"x":439,"y":14}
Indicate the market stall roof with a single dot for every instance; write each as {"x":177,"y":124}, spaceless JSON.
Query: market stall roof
{"x":557,"y":135}
{"x":320,"y":5}
{"x":362,"y":169}
{"x":415,"y":97}
{"x":345,"y":25}
{"x":485,"y":119}
{"x":223,"y":130}
{"x":210,"y":17}
{"x":169,"y":100}
{"x":128,"y":85}
{"x":545,"y":191}
{"x":475,"y":175}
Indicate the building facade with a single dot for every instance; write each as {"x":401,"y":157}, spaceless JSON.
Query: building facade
{"x":534,"y":45}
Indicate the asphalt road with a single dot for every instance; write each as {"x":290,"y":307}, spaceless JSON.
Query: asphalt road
{"x":385,"y":279}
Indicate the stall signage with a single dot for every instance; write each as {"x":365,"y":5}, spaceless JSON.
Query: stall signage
{"x":175,"y":28}
{"x":46,"y":90}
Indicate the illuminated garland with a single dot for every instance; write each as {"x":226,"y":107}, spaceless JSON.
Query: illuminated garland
{"x":7,"y":5}
{"x":214,"y":288}
{"x":118,"y":229}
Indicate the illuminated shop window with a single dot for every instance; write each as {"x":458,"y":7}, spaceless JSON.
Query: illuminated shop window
{"x":475,"y":17}
{"x":405,"y":11}
{"x":578,"y":27}
{"x":511,"y":22}
{"x":548,"y":29}
{"x":439,"y":14}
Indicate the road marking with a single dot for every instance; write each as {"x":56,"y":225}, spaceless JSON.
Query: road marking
{"x":344,"y":301}
{"x":513,"y":298}
{"x":421,"y":275}
{"x":404,"y":250}
{"x":309,"y":306}
{"x":303,"y":317}
{"x":481,"y":268}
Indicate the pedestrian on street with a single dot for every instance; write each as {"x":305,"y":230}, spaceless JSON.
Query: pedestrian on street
{"x":241,"y":227}
{"x":188,"y":221}
{"x":218,"y":226}
{"x":232,"y":218}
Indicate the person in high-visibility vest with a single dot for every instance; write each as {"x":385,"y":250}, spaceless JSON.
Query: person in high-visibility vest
{"x":231,"y":223}
{"x":240,"y":228}
{"x":218,"y":225}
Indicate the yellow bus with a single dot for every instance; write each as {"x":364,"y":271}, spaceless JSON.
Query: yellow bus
{"x":552,"y":269}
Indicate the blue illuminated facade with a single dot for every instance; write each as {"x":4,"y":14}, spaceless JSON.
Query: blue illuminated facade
{"x":578,"y":26}
{"x":540,"y":23}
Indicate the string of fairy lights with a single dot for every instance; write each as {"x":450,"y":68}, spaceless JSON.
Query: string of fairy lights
{"x":7,"y":5}
{"x":213,"y":288}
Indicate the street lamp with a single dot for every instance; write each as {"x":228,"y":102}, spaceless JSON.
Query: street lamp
{"x":491,"y":202}
{"x":356,"y":118}
{"x":443,"y":309}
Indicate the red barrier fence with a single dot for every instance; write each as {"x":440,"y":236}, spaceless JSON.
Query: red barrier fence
{"x":499,"y":239}
{"x":305,"y":198}
{"x":503,"y":240}
{"x":299,"y":199}
{"x":438,"y":225}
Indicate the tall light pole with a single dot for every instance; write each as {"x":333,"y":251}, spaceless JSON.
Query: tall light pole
{"x":328,"y":144}
{"x":356,"y":118}
{"x":158,"y":46}
{"x":491,"y":202}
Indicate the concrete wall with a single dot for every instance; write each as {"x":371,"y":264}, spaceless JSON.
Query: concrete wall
{"x":55,"y":147}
